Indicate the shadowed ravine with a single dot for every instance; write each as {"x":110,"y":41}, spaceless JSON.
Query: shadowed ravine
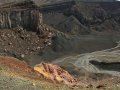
{"x":107,"y":66}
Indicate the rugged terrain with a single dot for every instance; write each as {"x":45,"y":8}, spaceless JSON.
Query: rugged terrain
{"x":16,"y":74}
{"x":80,"y":36}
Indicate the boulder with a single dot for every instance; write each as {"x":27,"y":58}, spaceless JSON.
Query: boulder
{"x":54,"y":73}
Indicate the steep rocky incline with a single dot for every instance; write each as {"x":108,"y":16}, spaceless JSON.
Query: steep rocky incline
{"x":22,"y":30}
{"x":95,"y":16}
{"x":93,"y":24}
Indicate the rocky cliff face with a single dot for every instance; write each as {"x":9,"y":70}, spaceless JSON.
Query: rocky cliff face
{"x":25,"y":18}
{"x":23,"y":13}
{"x":22,"y":26}
{"x":86,"y":16}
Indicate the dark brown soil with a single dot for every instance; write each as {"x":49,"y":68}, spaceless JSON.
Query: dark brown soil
{"x":21,"y":42}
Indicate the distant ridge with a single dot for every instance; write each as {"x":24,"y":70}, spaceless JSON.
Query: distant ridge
{"x":40,"y":2}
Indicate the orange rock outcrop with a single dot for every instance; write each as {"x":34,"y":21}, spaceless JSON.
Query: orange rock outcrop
{"x":49,"y":72}
{"x":55,"y":73}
